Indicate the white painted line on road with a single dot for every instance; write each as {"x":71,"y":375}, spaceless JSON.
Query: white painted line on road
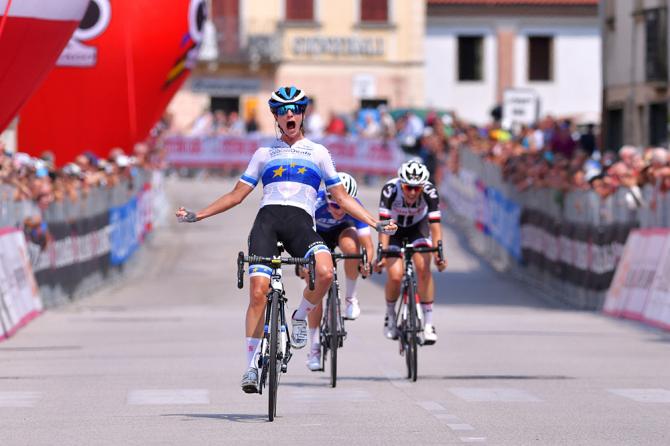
{"x":493,"y":394}
{"x":327,"y":394}
{"x":431,"y":406}
{"x":145,"y":397}
{"x":447,"y":417}
{"x":473,"y":439}
{"x":19,"y":399}
{"x":460,"y":427}
{"x":644,"y":395}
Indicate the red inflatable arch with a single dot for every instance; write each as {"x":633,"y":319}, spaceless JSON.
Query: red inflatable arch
{"x":115,"y":78}
{"x":32,"y":35}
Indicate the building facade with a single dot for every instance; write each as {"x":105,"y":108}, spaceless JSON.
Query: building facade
{"x":345,"y":54}
{"x":477,"y":49}
{"x":635,"y":72}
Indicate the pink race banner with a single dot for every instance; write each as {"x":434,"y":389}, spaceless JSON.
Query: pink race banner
{"x":351,"y":154}
{"x":19,"y":296}
{"x":640,"y":289}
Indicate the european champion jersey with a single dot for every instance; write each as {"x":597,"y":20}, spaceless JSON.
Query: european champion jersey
{"x":291,"y":175}
{"x":325,"y":221}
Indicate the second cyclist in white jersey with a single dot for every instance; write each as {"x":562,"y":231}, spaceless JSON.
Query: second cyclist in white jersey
{"x":291,"y":171}
{"x":338,"y":229}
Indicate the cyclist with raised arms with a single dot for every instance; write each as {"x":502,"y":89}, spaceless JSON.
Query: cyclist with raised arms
{"x":337,"y":228}
{"x":413,"y":203}
{"x":291,"y":171}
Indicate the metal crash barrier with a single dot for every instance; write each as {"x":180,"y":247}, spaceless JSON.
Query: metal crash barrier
{"x":567,"y":244}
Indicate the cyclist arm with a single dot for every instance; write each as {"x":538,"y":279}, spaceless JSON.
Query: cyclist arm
{"x":227,"y":201}
{"x":351,"y":206}
{"x":222,"y":204}
{"x":434,"y":220}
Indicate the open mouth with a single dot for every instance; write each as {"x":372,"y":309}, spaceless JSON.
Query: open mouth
{"x":290,"y":125}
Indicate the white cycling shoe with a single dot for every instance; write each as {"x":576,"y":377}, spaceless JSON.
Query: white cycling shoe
{"x":390,"y":331}
{"x":314,"y":360}
{"x":429,"y":335}
{"x":352,"y":309}
{"x":298,"y":333}
{"x":250,"y":380}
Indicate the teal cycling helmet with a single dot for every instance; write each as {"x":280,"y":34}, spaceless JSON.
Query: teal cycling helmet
{"x":286,"y":96}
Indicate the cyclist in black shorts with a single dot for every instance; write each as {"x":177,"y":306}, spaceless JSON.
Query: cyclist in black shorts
{"x":291,"y":170}
{"x":339,"y":229}
{"x":413,"y":202}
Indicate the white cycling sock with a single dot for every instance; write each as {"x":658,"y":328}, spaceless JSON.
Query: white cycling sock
{"x":390,"y":309}
{"x":303,"y":309}
{"x":253,"y":348}
{"x":351,"y":288}
{"x":427,"y":313}
{"x":314,"y":339}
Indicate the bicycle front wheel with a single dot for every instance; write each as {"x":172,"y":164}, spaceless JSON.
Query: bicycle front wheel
{"x":334,"y":333}
{"x":274,"y":362}
{"x":411,"y":354}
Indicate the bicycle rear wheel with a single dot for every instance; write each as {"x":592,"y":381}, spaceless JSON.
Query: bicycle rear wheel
{"x":334,"y":333}
{"x":411,"y":354}
{"x":274,"y":360}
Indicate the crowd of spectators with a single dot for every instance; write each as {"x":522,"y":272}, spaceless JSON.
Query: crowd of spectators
{"x":554,"y":153}
{"x":37,"y":182}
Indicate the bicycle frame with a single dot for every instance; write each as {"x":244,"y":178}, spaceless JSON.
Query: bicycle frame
{"x":275,"y":351}
{"x":408,"y":316}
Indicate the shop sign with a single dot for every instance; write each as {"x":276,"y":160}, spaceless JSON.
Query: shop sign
{"x":338,"y":46}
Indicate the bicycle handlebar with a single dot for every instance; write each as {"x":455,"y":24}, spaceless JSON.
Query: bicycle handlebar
{"x":363,"y":257}
{"x":409,"y":249}
{"x":275,"y":263}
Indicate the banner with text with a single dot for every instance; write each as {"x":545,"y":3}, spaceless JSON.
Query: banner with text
{"x":351,"y":154}
{"x":640,"y":289}
{"x":19,"y":296}
{"x":489,"y":210}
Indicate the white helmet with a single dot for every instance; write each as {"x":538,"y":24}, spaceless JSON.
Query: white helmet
{"x":349,"y":183}
{"x":413,"y":173}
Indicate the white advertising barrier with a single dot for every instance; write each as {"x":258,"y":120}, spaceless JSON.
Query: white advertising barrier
{"x":640,"y":289}
{"x":19,"y":297}
{"x":460,"y":191}
{"x":351,"y":154}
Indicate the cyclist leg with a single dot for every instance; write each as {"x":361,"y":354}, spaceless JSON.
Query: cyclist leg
{"x":349,"y":244}
{"x":262,"y":242}
{"x":394,"y":268}
{"x":425,"y":282}
{"x":300,"y":239}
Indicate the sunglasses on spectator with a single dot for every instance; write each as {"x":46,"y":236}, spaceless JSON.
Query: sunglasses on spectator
{"x":283,"y":109}
{"x":409,"y":188}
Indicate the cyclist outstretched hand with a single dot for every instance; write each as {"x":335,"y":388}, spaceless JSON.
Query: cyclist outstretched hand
{"x":186,"y":216}
{"x":387,"y":227}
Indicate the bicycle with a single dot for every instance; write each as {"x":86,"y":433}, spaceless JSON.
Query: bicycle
{"x":332,"y":330}
{"x":275,"y":352}
{"x":409,"y":319}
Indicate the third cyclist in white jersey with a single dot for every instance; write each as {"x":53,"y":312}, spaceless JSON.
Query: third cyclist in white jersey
{"x":413,"y":203}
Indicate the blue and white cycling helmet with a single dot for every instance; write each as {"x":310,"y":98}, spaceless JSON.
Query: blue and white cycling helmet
{"x":288,"y":96}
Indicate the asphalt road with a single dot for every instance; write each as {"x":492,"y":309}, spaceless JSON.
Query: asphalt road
{"x":157,"y":359}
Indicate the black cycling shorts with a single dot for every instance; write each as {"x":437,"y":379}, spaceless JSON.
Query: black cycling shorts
{"x":287,"y":224}
{"x":417,"y":235}
{"x":332,"y":236}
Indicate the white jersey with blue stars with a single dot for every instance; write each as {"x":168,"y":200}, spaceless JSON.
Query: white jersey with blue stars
{"x":291,"y":175}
